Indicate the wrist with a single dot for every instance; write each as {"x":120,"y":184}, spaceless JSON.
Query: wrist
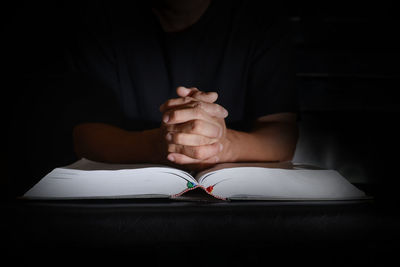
{"x":229,"y":153}
{"x":152,"y":150}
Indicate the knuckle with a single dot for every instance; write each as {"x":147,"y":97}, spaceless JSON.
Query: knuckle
{"x":178,"y":138}
{"x":196,"y":125}
{"x":199,"y":152}
{"x":169,"y":103}
{"x":171,"y":148}
{"x":193,"y":104}
{"x":187,"y":99}
{"x":219,"y":110}
{"x":223,"y":111}
{"x":173,"y":115}
{"x":204,"y":140}
{"x":196,"y":153}
{"x":197,"y":111}
{"x":218,"y":131}
{"x":197,"y":94}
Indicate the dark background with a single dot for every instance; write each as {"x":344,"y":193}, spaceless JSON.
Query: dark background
{"x":348,"y":78}
{"x":347,"y":64}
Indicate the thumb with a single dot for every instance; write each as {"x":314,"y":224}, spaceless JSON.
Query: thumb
{"x":183,"y":91}
{"x":209,"y":97}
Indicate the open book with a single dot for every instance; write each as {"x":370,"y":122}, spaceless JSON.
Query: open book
{"x":249,"y":181}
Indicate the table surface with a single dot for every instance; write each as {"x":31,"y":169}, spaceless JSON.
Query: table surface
{"x":149,"y":221}
{"x":198,"y":223}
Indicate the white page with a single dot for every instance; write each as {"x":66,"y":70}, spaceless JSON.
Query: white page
{"x":89,"y":165}
{"x":130,"y":181}
{"x":275,"y":183}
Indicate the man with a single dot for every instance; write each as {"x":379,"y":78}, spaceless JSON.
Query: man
{"x":233,"y":51}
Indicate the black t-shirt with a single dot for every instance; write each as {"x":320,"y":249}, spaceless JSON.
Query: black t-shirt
{"x":240,"y":49}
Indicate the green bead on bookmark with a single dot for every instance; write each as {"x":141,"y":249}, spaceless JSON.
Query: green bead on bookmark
{"x":190,"y":184}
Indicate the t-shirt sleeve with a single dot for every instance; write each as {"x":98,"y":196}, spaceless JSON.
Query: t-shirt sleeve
{"x":89,"y":101}
{"x":271,"y":85}
{"x":91,"y":76}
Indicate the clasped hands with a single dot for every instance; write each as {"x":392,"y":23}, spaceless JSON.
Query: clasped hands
{"x":193,"y":129}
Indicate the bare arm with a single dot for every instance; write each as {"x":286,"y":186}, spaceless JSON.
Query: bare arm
{"x":273,"y":138}
{"x":106,"y":143}
{"x":192,"y":138}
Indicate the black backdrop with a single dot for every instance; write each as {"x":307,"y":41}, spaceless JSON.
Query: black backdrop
{"x":347,"y":77}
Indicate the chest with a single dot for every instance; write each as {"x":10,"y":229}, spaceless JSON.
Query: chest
{"x":150,"y":67}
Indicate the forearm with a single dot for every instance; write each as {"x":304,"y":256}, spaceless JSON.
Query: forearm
{"x":106,"y":143}
{"x":275,"y":141}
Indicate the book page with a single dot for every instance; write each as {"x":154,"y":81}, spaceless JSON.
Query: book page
{"x":89,"y":165}
{"x":292,"y":183}
{"x":88,"y":179}
{"x":280,"y":165}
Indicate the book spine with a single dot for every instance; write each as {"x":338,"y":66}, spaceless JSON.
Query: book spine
{"x":184,"y":191}
{"x":207,"y":190}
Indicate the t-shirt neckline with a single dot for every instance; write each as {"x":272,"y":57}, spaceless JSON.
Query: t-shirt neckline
{"x":192,"y":28}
